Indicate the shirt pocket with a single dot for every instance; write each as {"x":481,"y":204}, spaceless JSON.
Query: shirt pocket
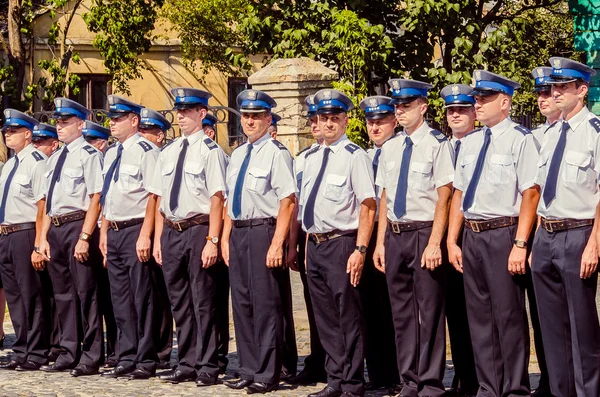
{"x":542,"y":165}
{"x":500,"y":169}
{"x":129,"y":175}
{"x":24,"y":184}
{"x":419,"y":176}
{"x":577,"y":168}
{"x":194,"y":174}
{"x":257,"y":180}
{"x":334,"y":187}
{"x":71,"y":178}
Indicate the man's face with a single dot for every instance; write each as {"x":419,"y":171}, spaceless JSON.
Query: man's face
{"x":567,"y":95}
{"x":98,"y":143}
{"x":314,"y":127}
{"x":382,"y":129}
{"x":546,"y":103}
{"x":209,"y":132}
{"x":333,"y":126}
{"x":460,"y":118}
{"x":68,"y":128}
{"x":16,"y":137}
{"x":411,"y":113}
{"x":154,"y":135}
{"x":487,"y":107}
{"x":255,"y":125}
{"x":46,"y":146}
{"x":190,"y":120}
{"x":124,"y":126}
{"x":272,"y":130}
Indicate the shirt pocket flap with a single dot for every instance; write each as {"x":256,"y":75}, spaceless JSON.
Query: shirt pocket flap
{"x":336,"y":180}
{"x":577,"y":158}
{"x":129,"y":169}
{"x":423,"y":168}
{"x":21,"y":179}
{"x":389,"y":165}
{"x":47,"y":174}
{"x":258,"y":172}
{"x":543,"y":160}
{"x":501,"y":159}
{"x":193,"y":167}
{"x":168,"y":168}
{"x":73,"y":172}
{"x":468,"y":159}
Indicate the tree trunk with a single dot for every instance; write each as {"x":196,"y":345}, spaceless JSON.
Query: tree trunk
{"x":16,"y":52}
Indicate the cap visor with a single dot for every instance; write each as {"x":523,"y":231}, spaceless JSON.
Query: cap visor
{"x":331,"y":111}
{"x":183,"y":106}
{"x":403,"y":100}
{"x":378,"y":116}
{"x":149,"y":127}
{"x":458,"y":105}
{"x":484,"y":92}
{"x":254,"y":110}
{"x":114,"y":115}
{"x":62,"y":115}
{"x":554,"y":80}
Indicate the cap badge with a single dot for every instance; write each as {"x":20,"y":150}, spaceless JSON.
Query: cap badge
{"x":455,"y":90}
{"x":395,"y":84}
{"x":111,"y":100}
{"x":373,"y":102}
{"x":326,"y":94}
{"x":540,"y":72}
{"x":556,"y":63}
{"x":252,"y":95}
{"x":478,"y":75}
{"x":7,"y":113}
{"x":144,"y":112}
{"x":36,"y":127}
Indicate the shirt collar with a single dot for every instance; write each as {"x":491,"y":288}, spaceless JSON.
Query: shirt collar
{"x":260,"y":142}
{"x":26,"y":150}
{"x":419,"y":133}
{"x":338,"y":144}
{"x":579,"y":118}
{"x":130,"y":141}
{"x":499,"y":128}
{"x":75,"y":144}
{"x":195,"y":137}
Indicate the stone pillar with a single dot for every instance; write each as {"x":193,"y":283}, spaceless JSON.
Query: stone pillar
{"x":289,"y":82}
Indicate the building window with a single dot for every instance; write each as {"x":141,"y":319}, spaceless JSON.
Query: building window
{"x":235,"y":85}
{"x":94,"y":90}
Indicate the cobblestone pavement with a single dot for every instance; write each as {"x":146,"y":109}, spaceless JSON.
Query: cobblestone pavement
{"x":13,"y":384}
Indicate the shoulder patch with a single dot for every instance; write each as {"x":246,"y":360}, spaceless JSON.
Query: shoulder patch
{"x":280,"y":145}
{"x":37,"y":156}
{"x":145,"y":145}
{"x":351,"y":147}
{"x":210,"y":143}
{"x":89,"y":149}
{"x":165,"y":146}
{"x":438,"y":135}
{"x":303,"y":150}
{"x":522,"y":130}
{"x":595,"y":122}
{"x":311,"y":151}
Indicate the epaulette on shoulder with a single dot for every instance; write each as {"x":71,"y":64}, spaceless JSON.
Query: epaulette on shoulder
{"x":37,"y":156}
{"x":303,"y":150}
{"x":280,"y":145}
{"x":352,"y":148}
{"x":145,"y":145}
{"x":90,"y":149}
{"x":167,"y":144}
{"x":522,"y":130}
{"x":475,"y":130}
{"x":595,"y":122}
{"x":110,"y":147}
{"x":311,"y":151}
{"x":438,"y":135}
{"x":210,"y":143}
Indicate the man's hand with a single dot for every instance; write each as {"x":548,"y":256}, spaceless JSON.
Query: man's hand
{"x":455,"y":256}
{"x":589,"y":260}
{"x":103,"y":243}
{"x":275,"y":256}
{"x":142,"y":248}
{"x":432,"y":257}
{"x":517,"y":261}
{"x":355,"y":267}
{"x":379,"y":258}
{"x":82,"y":251}
{"x":209,"y":254}
{"x":156,"y":252}
{"x":45,"y":249}
{"x":291,"y":258}
{"x":225,"y":251}
{"x":38,"y":261}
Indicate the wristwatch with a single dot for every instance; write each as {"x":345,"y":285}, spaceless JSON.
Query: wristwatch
{"x":520,"y":243}
{"x":84,"y":237}
{"x":36,"y":249}
{"x":361,"y":248}
{"x":214,"y":240}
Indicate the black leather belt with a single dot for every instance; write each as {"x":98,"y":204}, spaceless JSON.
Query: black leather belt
{"x":17,"y":227}
{"x":399,"y":227}
{"x":60,"y":220}
{"x":118,"y":225}
{"x":319,"y":238}
{"x":558,"y":225}
{"x":254,"y":222}
{"x":489,"y":224}
{"x":200,"y":219}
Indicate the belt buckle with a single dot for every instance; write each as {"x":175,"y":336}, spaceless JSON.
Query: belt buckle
{"x":318,"y":239}
{"x":114,"y":225}
{"x":475,"y":227}
{"x":178,"y":228}
{"x":4,"y":230}
{"x":396,"y":228}
{"x":549,"y":228}
{"x":55,"y":221}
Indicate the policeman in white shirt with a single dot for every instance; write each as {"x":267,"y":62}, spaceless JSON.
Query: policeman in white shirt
{"x":545,"y":101}
{"x":260,"y":203}
{"x":565,"y":251}
{"x":413,"y":213}
{"x":190,"y":181}
{"x":337,"y":200}
{"x":209,"y":125}
{"x":74,"y":183}
{"x":495,"y":190}
{"x":96,"y":135}
{"x":460,"y":115}
{"x":45,"y":138}
{"x":154,"y":127}
{"x":21,"y":202}
{"x":379,"y":326}
{"x":128,"y":210}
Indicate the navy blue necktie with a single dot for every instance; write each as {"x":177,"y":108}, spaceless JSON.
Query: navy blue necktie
{"x":236,"y":206}
{"x":557,"y":156}
{"x":470,"y":193}
{"x":309,"y":206}
{"x":402,"y":188}
{"x":376,"y":162}
{"x":56,"y":177}
{"x":113,"y":173}
{"x":456,"y":152}
{"x":7,"y":188}
{"x":174,"y":198}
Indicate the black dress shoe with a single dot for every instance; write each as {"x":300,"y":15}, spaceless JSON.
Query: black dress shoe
{"x":84,"y":370}
{"x":328,"y":391}
{"x":110,"y":363}
{"x":237,"y":384}
{"x":541,"y":392}
{"x":307,"y":377}
{"x":28,"y":366}
{"x":285,"y":375}
{"x":177,"y":376}
{"x":117,"y":371}
{"x":12,"y":364}
{"x":163,"y":364}
{"x":205,"y":379}
{"x":52,"y":357}
{"x":262,"y":387}
{"x":395,"y":390}
{"x":2,"y":341}
{"x":56,"y":367}
{"x":141,"y":373}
